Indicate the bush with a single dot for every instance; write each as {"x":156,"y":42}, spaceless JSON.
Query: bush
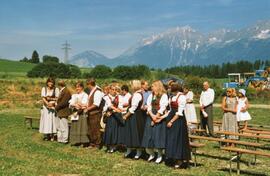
{"x":123,"y":72}
{"x":100,"y":71}
{"x":47,"y":59}
{"x":52,"y":69}
{"x":131,"y":72}
{"x":194,"y":83}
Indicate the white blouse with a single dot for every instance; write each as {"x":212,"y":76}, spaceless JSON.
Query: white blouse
{"x":123,"y":100}
{"x":181,"y":103}
{"x":137,"y":97}
{"x":163,"y":103}
{"x":81,"y":98}
{"x":108,"y":102}
{"x":189,"y":96}
{"x":49,"y":92}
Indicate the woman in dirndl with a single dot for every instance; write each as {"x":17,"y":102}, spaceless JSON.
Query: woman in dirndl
{"x":190,"y":111}
{"x":49,"y":122}
{"x":123,"y":105}
{"x":177,"y":141}
{"x":154,"y":138}
{"x":111,"y":116}
{"x":133,"y":121}
{"x":79,"y":128}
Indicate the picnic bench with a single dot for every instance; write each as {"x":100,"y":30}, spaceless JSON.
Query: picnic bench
{"x":220,"y":140}
{"x":194,"y":146}
{"x":199,"y":131}
{"x":258,"y":137}
{"x":28,"y":120}
{"x":215,"y":124}
{"x":257,"y":132}
{"x":239,"y":152}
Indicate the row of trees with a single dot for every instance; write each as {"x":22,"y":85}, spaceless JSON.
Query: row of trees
{"x":120,"y":72}
{"x":219,"y":71}
{"x":34,"y":59}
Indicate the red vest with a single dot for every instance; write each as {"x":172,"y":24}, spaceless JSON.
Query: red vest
{"x":174,"y":104}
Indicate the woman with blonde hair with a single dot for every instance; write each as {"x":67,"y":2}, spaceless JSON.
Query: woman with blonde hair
{"x":155,"y":128}
{"x":133,"y":121}
{"x":229,"y":107}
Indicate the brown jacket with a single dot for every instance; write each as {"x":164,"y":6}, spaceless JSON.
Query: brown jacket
{"x":62,"y":107}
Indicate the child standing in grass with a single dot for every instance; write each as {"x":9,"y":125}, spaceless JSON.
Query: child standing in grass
{"x":242,"y":113}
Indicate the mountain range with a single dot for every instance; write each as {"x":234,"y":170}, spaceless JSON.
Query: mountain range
{"x":187,"y":46}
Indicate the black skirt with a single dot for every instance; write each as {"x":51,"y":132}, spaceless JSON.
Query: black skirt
{"x":177,"y":141}
{"x":121,"y":129}
{"x":154,"y":136}
{"x":111,"y":131}
{"x":148,"y":141}
{"x":133,"y":130}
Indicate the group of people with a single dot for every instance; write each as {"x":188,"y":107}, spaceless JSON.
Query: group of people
{"x":154,"y":120}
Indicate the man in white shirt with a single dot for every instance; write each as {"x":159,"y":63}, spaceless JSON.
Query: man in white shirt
{"x":206,"y":108}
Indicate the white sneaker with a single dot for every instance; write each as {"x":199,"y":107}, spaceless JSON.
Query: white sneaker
{"x":111,"y":151}
{"x":159,"y":159}
{"x":176,"y":166}
{"x":138,"y":155}
{"x":127,"y":152}
{"x":151,"y":157}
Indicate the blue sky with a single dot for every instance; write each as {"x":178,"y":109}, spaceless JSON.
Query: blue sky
{"x":112,"y":26}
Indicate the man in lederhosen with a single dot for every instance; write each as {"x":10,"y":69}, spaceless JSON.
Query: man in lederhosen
{"x":94,"y":113}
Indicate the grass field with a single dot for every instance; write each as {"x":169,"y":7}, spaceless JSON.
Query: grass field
{"x":22,"y":152}
{"x":14,"y":69}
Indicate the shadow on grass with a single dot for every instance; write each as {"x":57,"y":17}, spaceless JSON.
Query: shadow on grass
{"x":222,"y":158}
{"x":245,"y":172}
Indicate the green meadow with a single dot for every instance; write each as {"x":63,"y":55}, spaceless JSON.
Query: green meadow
{"x":23,"y":152}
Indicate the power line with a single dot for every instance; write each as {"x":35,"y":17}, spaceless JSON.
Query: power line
{"x":66,"y":48}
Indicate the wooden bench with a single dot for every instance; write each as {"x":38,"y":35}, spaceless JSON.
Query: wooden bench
{"x":199,"y":131}
{"x":258,"y":132}
{"x":258,"y":129}
{"x":194,"y":147}
{"x":244,"y":143}
{"x":266,"y":127}
{"x":217,"y":122}
{"x":240,"y":151}
{"x":29,"y":120}
{"x":258,"y":137}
